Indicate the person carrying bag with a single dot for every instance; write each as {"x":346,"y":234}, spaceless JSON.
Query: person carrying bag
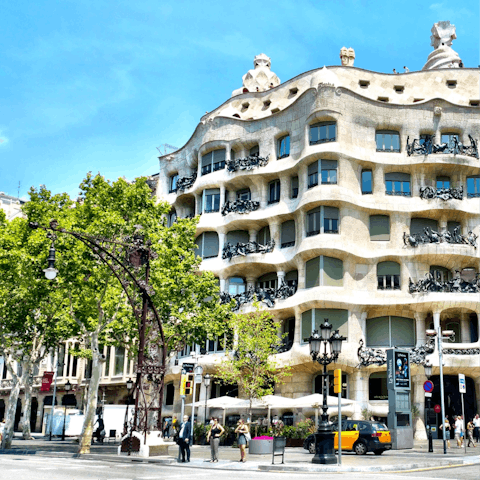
{"x":243,"y":438}
{"x":213,"y":436}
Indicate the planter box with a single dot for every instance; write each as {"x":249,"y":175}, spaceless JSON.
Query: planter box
{"x":260,"y":447}
{"x":294,"y":442}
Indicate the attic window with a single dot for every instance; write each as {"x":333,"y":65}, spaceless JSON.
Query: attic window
{"x":275,"y":110}
{"x":245,"y":105}
{"x":266,"y":103}
{"x":383,"y":99}
{"x":451,"y":83}
{"x":236,"y":115}
{"x":245,"y":90}
{"x":418,"y":100}
{"x":474,"y":103}
{"x":293,"y":91}
{"x":364,"y":83}
{"x":399,"y":88}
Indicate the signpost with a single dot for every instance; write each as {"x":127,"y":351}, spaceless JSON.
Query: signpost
{"x":428,"y":388}
{"x":462,"y":388}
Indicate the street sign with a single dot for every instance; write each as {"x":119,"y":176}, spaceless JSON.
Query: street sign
{"x":188,"y":367}
{"x":437,"y":408}
{"x":428,"y":394}
{"x":428,"y":386}
{"x":462,"y":387}
{"x":198,"y":378}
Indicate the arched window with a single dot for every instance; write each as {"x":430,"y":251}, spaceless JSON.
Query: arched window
{"x":323,"y":132}
{"x":324,"y":271}
{"x":390,"y":331}
{"x":207,"y":245}
{"x":213,"y":161}
{"x":312,"y":319}
{"x":288,"y":234}
{"x":388,"y":276}
{"x":387,"y":141}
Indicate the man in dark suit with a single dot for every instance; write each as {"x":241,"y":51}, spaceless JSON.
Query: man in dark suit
{"x":184,"y":438}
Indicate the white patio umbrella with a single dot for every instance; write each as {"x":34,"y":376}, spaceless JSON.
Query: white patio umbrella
{"x":224,"y":403}
{"x":316,"y":401}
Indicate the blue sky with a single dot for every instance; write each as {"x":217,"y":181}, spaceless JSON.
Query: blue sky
{"x":98,"y":85}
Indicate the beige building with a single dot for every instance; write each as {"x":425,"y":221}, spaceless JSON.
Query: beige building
{"x":349,"y":195}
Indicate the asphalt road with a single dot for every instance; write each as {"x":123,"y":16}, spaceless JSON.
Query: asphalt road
{"x":20,"y":467}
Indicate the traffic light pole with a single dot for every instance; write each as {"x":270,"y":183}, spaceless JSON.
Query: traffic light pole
{"x":337,"y":388}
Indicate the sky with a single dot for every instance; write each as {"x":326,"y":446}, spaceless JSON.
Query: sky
{"x":99,"y":85}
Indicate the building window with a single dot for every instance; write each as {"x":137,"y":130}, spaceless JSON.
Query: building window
{"x":441,"y":274}
{"x":450,"y":138}
{"x":236,"y":285}
{"x":312,"y":175}
{"x":324,"y":272}
{"x":294,"y":187}
{"x":169,"y":393}
{"x":443,"y":182}
{"x":397,"y":183}
{"x":283,"y":147}
{"x":390,"y":331}
{"x":379,"y":228}
{"x":172,"y":218}
{"x":366,"y":182}
{"x":287,"y":236}
{"x":291,"y":278}
{"x":119,"y":361}
{"x":388,"y":276}
{"x":377,"y":386}
{"x":323,"y":132}
{"x":312,"y":319}
{"x":322,"y":220}
{"x":318,"y":388}
{"x":387,"y":141}
{"x":172,"y":183}
{"x":418,"y":225}
{"x":473,"y":186}
{"x":269,"y":280}
{"x":263,"y":236}
{"x":274,"y":192}
{"x":213,"y":161}
{"x":254,"y":151}
{"x":328,"y":169}
{"x":211,"y":200}
{"x":244,"y":194}
{"x":237,"y":236}
{"x":207,"y":245}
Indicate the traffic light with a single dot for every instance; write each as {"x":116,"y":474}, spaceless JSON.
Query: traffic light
{"x":337,"y":380}
{"x":189,"y":384}
{"x":183,"y":381}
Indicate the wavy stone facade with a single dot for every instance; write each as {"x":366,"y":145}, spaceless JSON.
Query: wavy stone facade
{"x":343,"y":178}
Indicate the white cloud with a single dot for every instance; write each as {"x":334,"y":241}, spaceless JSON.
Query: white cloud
{"x":3,"y":139}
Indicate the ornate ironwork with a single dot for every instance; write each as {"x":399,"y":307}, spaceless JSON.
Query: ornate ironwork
{"x":433,"y":283}
{"x":230,"y":250}
{"x":454,"y":146}
{"x":185,"y":182}
{"x":461,"y":351}
{"x":240,"y":206}
{"x":247,"y":163}
{"x":427,"y":193}
{"x":378,"y":356}
{"x":432,"y":236}
{"x":265,"y":295}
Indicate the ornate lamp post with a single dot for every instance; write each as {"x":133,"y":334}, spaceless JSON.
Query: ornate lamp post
{"x":129,"y":392}
{"x":325,"y":349}
{"x":68,"y":387}
{"x":206,"y":381}
{"x":428,"y":373}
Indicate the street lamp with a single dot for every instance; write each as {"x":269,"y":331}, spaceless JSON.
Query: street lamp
{"x":441,"y":336}
{"x":129,"y":392}
{"x":428,"y":373}
{"x":206,"y":381}
{"x":325,"y":349}
{"x":67,"y":387}
{"x":51,"y":271}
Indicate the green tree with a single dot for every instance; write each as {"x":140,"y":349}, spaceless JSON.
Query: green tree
{"x":251,"y":363}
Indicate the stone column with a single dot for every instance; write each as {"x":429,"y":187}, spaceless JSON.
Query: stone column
{"x":301,"y":275}
{"x":252,"y":235}
{"x":358,"y":390}
{"x":198,"y":203}
{"x":280,"y":278}
{"x":298,"y":327}
{"x":418,"y":399}
{"x":250,"y":282}
{"x":223,"y":284}
{"x":300,"y":226}
{"x":442,"y":224}
{"x":222,"y":238}
{"x":357,"y":326}
{"x":275,"y":233}
{"x":222,"y":196}
{"x":465,"y":328}
{"x":378,"y":186}
{"x":302,"y":180}
{"x":420,"y":328}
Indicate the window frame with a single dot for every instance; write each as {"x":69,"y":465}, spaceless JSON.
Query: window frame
{"x":210,"y":165}
{"x":381,"y":135}
{"x":363,"y":182}
{"x":283,"y":147}
{"x":201,"y":249}
{"x":205,"y":201}
{"x":474,"y":185}
{"x":398,"y":187}
{"x":274,"y":188}
{"x":317,"y":128}
{"x":321,"y":219}
{"x":391,"y":327}
{"x":323,"y":274}
{"x":172,"y":183}
{"x":383,"y":282}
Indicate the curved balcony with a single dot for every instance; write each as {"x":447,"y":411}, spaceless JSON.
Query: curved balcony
{"x":432,"y":236}
{"x":247,"y":163}
{"x":242,"y":249}
{"x":453,"y":147}
{"x":455,"y":285}
{"x":428,"y":193}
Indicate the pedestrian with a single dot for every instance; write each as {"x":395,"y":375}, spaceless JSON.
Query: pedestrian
{"x":406,"y":69}
{"x":213,"y":436}
{"x":184,"y":438}
{"x":100,"y":431}
{"x":470,"y":428}
{"x":447,"y":430}
{"x":476,"y":423}
{"x":243,"y":434}
{"x":165,"y":428}
{"x":459,"y":431}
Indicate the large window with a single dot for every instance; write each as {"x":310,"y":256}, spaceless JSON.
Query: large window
{"x":169,"y":393}
{"x":323,"y":132}
{"x":287,"y":235}
{"x":418,"y":225}
{"x":328,"y":172}
{"x":294,"y":184}
{"x":238,"y":236}
{"x":388,"y":276}
{"x":236,"y":285}
{"x":119,"y":361}
{"x":366,"y":182}
{"x":263,"y":236}
{"x":440,"y":274}
{"x":254,"y":151}
{"x":379,"y":228}
{"x":322,"y":220}
{"x":274,"y":192}
{"x":312,"y":319}
{"x":390,"y":331}
{"x":269,"y":280}
{"x":172,"y":183}
{"x":283,"y":147}
{"x":387,"y":141}
{"x":324,"y":271}
{"x":449,"y":138}
{"x":244,"y":194}
{"x":211,"y":200}
{"x":207,"y":245}
{"x":473,"y":186}
{"x":398,"y":183}
{"x":443,"y":182}
{"x":213,"y":161}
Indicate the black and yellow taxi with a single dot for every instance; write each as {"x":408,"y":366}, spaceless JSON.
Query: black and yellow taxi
{"x":359,"y":436}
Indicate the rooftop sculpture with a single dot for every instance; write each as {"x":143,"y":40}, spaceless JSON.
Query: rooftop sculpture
{"x":260,"y":78}
{"x":443,"y":56}
{"x":347,"y":56}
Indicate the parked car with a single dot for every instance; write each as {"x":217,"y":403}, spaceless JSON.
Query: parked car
{"x":359,"y":436}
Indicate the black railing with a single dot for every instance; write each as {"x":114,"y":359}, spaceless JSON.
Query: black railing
{"x":397,"y":193}
{"x":322,"y":140}
{"x":247,"y":163}
{"x":431,"y":283}
{"x":393,"y":150}
{"x":272,"y":201}
{"x":211,"y":210}
{"x":185,"y":182}
{"x":312,"y":233}
{"x":473,"y":195}
{"x":454,"y":147}
{"x":432,"y":236}
{"x":241,"y":249}
{"x":285,"y":155}
{"x":240,"y":206}
{"x":287,"y":244}
{"x":427,"y":193}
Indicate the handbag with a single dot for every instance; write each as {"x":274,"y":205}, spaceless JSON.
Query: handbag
{"x":248,"y":437}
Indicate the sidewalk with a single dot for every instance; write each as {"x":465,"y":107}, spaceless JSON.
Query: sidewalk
{"x":296,"y":459}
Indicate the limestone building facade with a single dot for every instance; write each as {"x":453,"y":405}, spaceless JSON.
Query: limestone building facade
{"x":350,"y":195}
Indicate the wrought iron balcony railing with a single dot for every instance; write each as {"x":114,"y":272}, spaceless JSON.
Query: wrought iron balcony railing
{"x":185,"y":182}
{"x":240,"y":206}
{"x":247,"y":163}
{"x":427,"y":193}
{"x":454,"y":147}
{"x":432,"y":236}
{"x":265,"y":295}
{"x":230,"y":250}
{"x":455,"y":285}
{"x":398,"y":193}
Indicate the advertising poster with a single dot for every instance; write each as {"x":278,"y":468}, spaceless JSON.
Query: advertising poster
{"x":402,"y":370}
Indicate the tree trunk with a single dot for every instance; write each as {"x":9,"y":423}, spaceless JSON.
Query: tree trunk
{"x":27,"y":410}
{"x":10,"y":414}
{"x":87,"y":432}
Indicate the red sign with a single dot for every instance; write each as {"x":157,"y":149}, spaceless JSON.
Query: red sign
{"x":437,"y":408}
{"x":428,"y":386}
{"x":46,"y":381}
